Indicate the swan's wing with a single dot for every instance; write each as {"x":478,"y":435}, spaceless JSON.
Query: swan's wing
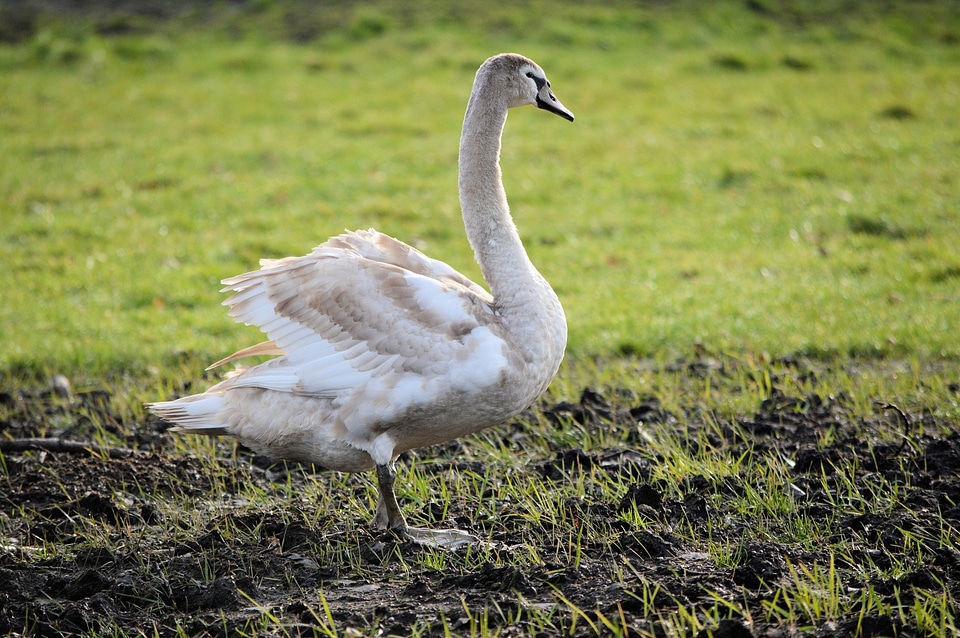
{"x":346,"y":321}
{"x":374,"y":245}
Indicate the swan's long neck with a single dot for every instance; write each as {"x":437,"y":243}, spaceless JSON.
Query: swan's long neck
{"x":486,"y":215}
{"x":530,"y":310}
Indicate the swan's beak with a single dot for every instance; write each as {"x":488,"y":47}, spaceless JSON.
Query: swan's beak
{"x":547,"y":101}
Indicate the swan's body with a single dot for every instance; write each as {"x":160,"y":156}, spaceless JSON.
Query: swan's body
{"x":383,"y":349}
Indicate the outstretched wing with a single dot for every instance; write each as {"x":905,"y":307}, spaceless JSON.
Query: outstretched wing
{"x":365,"y":310}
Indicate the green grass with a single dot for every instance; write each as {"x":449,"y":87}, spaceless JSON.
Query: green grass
{"x":749,"y":185}
{"x":732,"y":178}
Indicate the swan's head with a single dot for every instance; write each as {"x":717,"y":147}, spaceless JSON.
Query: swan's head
{"x":522,"y":82}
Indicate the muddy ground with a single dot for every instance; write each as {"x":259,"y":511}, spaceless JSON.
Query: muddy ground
{"x":129,"y":577}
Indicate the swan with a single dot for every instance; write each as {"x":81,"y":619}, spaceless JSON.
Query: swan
{"x":379,"y":349}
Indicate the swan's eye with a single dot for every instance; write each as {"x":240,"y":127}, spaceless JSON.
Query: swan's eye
{"x":539,"y":81}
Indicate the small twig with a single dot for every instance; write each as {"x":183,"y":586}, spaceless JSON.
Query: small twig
{"x":59,"y":445}
{"x":903,"y":419}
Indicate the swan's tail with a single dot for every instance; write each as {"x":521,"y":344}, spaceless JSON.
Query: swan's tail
{"x":196,"y":414}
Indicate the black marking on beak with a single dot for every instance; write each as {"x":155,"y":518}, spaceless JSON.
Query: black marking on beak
{"x":546,"y":100}
{"x":554,"y":106}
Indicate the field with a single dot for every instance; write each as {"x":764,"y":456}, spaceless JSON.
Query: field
{"x":752,"y":225}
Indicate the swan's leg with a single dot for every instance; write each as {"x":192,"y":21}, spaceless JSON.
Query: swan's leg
{"x":388,"y":514}
{"x":390,"y":517}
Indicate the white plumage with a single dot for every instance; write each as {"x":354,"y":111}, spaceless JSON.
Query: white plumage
{"x":381,"y":349}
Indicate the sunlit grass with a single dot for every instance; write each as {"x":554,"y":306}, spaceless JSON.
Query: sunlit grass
{"x":728,"y":181}
{"x":737,"y":194}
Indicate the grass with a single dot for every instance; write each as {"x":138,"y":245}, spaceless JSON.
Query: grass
{"x":732,"y":179}
{"x":749,"y":185}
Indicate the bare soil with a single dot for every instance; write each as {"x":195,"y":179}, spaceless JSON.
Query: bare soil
{"x":130,"y":577}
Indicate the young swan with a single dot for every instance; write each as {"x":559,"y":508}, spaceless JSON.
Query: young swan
{"x":382,"y":349}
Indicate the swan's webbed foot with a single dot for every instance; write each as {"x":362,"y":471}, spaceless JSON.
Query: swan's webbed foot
{"x":440,"y":538}
{"x":390,"y":517}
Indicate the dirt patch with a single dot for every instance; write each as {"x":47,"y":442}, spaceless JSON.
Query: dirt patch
{"x":89,"y":546}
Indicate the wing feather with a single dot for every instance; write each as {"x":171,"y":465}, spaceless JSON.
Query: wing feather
{"x":361,"y":306}
{"x":267,"y":348}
